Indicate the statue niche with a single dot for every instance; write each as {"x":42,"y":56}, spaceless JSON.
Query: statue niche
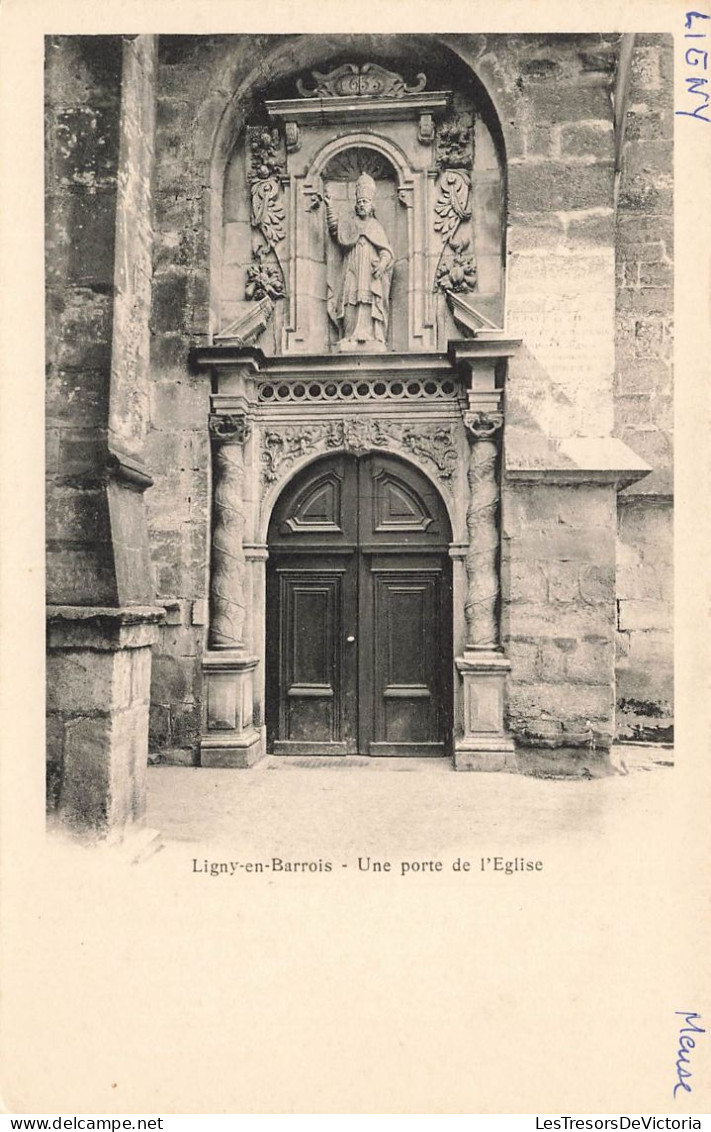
{"x":365,"y":301}
{"x":360,"y":304}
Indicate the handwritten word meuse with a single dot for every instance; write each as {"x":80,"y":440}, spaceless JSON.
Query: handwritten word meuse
{"x":697,"y":58}
{"x":686,"y":1042}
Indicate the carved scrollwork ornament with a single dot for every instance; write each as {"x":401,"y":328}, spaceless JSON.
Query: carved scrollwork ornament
{"x":229,"y":428}
{"x":368,"y":80}
{"x":431,"y":443}
{"x":482,"y":426}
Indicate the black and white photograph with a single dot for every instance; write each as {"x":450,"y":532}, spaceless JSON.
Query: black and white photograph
{"x":361,"y":349}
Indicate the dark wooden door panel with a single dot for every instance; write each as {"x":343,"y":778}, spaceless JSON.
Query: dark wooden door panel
{"x":406,"y":660}
{"x":358,"y":610}
{"x":315,"y":671}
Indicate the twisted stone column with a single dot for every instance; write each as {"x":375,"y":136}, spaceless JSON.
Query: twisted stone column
{"x":227,"y":596}
{"x":482,"y":557}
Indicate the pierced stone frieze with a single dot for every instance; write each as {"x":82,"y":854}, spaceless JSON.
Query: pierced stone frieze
{"x":366,"y":80}
{"x":227,"y":596}
{"x":432,"y":443}
{"x":365,"y":389}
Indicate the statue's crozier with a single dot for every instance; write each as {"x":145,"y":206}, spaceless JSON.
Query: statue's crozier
{"x":360,"y":303}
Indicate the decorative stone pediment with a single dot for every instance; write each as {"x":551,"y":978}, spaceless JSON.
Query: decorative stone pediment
{"x":366,"y":80}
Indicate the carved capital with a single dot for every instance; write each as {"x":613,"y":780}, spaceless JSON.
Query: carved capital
{"x":482,"y":426}
{"x":229,"y":428}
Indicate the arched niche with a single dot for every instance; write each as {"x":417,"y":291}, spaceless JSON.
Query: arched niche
{"x":413,"y":143}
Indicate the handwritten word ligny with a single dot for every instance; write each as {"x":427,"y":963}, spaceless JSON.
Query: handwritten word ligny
{"x":697,"y":58}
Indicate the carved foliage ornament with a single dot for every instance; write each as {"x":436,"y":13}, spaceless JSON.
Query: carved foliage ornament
{"x":456,"y":269}
{"x":368,"y":80}
{"x":432,"y":443}
{"x":267,"y":213}
{"x":264,"y":280}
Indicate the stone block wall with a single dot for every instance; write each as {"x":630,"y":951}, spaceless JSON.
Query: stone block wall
{"x":643,"y":396}
{"x":82,"y":114}
{"x":559,"y":620}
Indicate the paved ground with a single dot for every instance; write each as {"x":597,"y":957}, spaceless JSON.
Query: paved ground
{"x":397,"y":805}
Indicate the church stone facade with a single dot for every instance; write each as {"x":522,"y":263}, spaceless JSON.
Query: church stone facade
{"x":358,"y":403}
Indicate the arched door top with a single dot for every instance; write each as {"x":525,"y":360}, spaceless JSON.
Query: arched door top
{"x":374,"y":500}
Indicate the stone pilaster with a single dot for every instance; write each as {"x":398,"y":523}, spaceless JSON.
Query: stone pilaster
{"x":227,"y":584}
{"x":484,"y":744}
{"x":482,"y":558}
{"x":229,"y":735}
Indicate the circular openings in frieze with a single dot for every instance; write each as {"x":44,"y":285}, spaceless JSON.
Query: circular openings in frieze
{"x":365,"y":390}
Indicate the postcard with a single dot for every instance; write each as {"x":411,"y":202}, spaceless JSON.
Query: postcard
{"x":354,"y":590}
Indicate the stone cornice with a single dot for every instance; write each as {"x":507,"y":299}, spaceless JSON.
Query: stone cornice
{"x":465,"y":351}
{"x":102,"y":627}
{"x":489,"y":345}
{"x":574,"y":460}
{"x":347,"y":109}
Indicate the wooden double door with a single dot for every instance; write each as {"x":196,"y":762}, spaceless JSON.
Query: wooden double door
{"x":359,"y":612}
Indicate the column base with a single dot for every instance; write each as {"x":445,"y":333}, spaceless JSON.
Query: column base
{"x":484,"y":744}
{"x":230,"y":737}
{"x":485,"y":754}
{"x":236,"y":752}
